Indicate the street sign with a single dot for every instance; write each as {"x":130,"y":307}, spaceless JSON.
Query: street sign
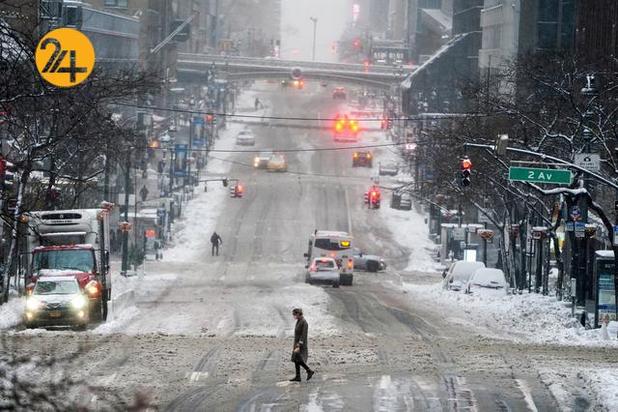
{"x":536,"y":175}
{"x":589,"y":161}
{"x":180,"y":161}
{"x":570,"y":226}
{"x":580,"y":229}
{"x":198,"y":120}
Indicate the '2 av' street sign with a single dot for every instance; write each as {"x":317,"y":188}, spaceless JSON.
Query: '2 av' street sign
{"x":536,"y":175}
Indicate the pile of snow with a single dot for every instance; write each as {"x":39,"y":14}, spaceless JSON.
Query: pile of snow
{"x":410,"y":231}
{"x":525,"y":318}
{"x":11,"y":313}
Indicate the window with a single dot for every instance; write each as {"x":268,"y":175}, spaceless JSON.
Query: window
{"x":116,"y":3}
{"x":328,"y":244}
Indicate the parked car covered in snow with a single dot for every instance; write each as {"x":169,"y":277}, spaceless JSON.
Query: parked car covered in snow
{"x":460,"y":273}
{"x":487,"y":278}
{"x":370,"y":263}
{"x":387,"y":169}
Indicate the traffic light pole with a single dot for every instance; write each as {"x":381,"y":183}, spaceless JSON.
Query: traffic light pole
{"x":125,"y":233}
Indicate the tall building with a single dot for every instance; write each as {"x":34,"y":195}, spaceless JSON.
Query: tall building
{"x":500,"y":23}
{"x":596,"y":29}
{"x":436,"y":84}
{"x":547,"y":25}
{"x":429,"y":26}
{"x":377,"y":18}
{"x":254,"y":27}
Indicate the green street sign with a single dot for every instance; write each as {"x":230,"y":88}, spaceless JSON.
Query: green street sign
{"x":535,"y":175}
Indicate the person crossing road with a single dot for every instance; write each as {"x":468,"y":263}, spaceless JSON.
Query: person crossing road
{"x":216,"y":241}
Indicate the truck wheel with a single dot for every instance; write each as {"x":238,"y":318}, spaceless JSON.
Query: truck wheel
{"x":95,"y":312}
{"x":372,"y":266}
{"x":336,"y":285}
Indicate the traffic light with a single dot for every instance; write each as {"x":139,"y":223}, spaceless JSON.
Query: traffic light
{"x":466,"y":171}
{"x":357,"y":43}
{"x":366,"y":65}
{"x":7,"y":174}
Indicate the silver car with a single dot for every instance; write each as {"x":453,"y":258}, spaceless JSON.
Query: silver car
{"x":56,"y":301}
{"x":323,"y":270}
{"x":245,"y":138}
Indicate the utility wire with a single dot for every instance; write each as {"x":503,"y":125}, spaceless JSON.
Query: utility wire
{"x":256,"y":116}
{"x":315,"y":149}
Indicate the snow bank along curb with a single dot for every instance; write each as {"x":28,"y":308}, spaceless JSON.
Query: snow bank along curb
{"x":526,"y":318}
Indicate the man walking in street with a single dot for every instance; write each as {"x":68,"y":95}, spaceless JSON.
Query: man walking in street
{"x":216,"y":241}
{"x":300,"y":353}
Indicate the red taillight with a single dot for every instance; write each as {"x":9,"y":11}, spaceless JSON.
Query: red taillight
{"x":353,"y":126}
{"x":339,"y":126}
{"x":350,"y":264}
{"x":239,"y":188}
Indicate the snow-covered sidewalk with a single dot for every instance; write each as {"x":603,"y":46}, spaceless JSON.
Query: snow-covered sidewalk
{"x":529,"y":318}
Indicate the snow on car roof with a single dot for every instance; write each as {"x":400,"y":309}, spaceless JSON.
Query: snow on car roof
{"x":464,"y":270}
{"x":57,"y":279}
{"x":331,"y":233}
{"x":85,"y":246}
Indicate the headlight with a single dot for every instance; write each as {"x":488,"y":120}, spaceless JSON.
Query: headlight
{"x":93,"y":288}
{"x":33,"y":304}
{"x":79,"y":302}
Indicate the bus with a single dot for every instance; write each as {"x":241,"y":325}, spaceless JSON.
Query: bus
{"x":334,"y":244}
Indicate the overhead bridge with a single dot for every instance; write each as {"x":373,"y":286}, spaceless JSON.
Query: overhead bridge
{"x":192,"y":68}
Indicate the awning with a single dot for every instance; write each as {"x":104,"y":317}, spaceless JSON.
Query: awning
{"x":407,"y":83}
{"x":158,"y":119}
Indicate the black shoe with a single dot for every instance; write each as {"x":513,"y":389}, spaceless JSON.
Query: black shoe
{"x":310,"y":374}
{"x":295,"y":379}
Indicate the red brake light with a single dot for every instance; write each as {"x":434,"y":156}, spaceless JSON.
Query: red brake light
{"x":339,"y":126}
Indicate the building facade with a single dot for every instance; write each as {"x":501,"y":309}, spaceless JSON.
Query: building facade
{"x":596,"y":29}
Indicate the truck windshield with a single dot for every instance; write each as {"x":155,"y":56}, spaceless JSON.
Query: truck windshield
{"x":82,"y":260}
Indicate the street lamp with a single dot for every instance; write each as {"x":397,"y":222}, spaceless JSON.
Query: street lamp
{"x":315,"y":23}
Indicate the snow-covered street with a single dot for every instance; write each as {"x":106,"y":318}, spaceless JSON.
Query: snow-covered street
{"x":203,"y":332}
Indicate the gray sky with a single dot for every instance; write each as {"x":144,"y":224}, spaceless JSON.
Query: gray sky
{"x":297,"y":29}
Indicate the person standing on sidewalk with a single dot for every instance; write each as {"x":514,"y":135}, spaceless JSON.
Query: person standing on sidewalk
{"x":300,"y":353}
{"x":216,"y":241}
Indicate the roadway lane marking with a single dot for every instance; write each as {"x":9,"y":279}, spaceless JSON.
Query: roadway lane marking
{"x":525,"y":390}
{"x":347,"y":208}
{"x":196,"y":376}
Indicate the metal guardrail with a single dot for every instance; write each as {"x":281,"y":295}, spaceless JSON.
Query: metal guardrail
{"x":288,"y":64}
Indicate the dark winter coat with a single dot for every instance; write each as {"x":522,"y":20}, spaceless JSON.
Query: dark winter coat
{"x":300,"y":337}
{"x":215,"y":239}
